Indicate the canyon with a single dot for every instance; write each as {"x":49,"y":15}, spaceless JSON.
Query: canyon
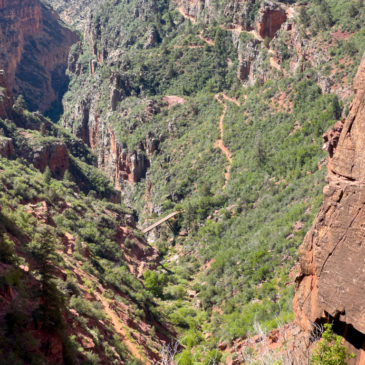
{"x":211,"y":114}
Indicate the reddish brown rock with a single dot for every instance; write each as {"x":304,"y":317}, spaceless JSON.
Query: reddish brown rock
{"x":6,"y":147}
{"x":123,"y":166}
{"x":330,"y":285}
{"x":53,"y":347}
{"x":331,"y":138}
{"x":129,"y":166}
{"x":298,"y":226}
{"x":270,"y":19}
{"x":54,"y":155}
{"x":34,"y":53}
{"x":236,"y":11}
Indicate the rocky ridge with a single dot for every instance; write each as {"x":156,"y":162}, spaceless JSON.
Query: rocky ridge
{"x":122,"y":165}
{"x":74,"y":13}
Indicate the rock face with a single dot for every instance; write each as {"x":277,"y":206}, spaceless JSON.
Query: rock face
{"x":270,"y":19}
{"x":236,"y":11}
{"x":331,"y":281}
{"x":74,"y":12}
{"x":34,"y":52}
{"x":331,"y":138}
{"x":248,"y":56}
{"x":54,"y":155}
{"x":5,"y":95}
{"x":6,"y":147}
{"x":122,"y":166}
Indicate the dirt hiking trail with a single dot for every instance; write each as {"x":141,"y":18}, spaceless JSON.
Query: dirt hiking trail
{"x":118,"y":327}
{"x":219,"y":143}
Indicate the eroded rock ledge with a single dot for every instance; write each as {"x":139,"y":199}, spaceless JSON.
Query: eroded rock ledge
{"x":330,"y":285}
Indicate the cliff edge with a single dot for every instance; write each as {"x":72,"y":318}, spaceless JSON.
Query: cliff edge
{"x":330,"y":286}
{"x":35,"y":46}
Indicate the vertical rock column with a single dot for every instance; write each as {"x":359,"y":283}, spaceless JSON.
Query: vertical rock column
{"x":331,"y":283}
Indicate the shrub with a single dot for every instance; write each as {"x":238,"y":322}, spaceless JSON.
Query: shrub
{"x":329,"y":350}
{"x":154,"y":282}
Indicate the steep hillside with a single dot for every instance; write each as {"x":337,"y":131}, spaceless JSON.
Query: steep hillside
{"x":74,"y":12}
{"x":34,"y":50}
{"x":217,"y":110}
{"x":211,"y":113}
{"x":71,"y":260}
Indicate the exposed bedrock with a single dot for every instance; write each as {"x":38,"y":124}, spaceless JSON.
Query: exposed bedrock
{"x":35,"y":47}
{"x":271,"y":17}
{"x":330,"y":285}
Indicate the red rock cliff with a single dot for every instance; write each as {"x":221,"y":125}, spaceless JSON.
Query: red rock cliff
{"x":271,"y":17}
{"x":332,"y":257}
{"x":34,"y":50}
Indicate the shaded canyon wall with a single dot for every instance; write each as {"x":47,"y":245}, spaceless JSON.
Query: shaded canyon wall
{"x":34,"y":49}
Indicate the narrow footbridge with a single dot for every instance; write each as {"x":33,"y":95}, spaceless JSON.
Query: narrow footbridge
{"x":154,"y":225}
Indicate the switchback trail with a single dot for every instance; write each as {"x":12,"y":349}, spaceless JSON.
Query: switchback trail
{"x":219,"y":143}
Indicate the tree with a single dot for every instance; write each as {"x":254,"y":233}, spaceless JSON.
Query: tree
{"x":67,"y":176}
{"x":47,"y":175}
{"x":154,"y":282}
{"x":220,"y":50}
{"x":42,"y":248}
{"x":304,"y":17}
{"x":189,"y":215}
{"x":185,"y":358}
{"x":329,"y":350}
{"x":324,"y":18}
{"x":20,"y":104}
{"x":260,"y":155}
{"x":43,"y":130}
{"x":7,"y":248}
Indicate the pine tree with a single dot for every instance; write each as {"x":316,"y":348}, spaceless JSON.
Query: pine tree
{"x":20,"y":104}
{"x":304,"y":17}
{"x":220,"y":57}
{"x":42,"y":248}
{"x":47,"y":175}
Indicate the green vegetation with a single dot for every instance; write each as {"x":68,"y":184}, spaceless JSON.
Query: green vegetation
{"x":40,"y":267}
{"x":330,"y":350}
{"x":154,"y":282}
{"x":227,"y":267}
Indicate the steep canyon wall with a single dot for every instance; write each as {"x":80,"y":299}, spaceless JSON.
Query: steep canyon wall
{"x":330,"y":286}
{"x":34,"y":50}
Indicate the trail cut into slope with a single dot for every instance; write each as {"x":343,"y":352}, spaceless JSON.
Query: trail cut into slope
{"x":186,"y":15}
{"x":117,"y":325}
{"x":210,"y":42}
{"x":219,"y":143}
